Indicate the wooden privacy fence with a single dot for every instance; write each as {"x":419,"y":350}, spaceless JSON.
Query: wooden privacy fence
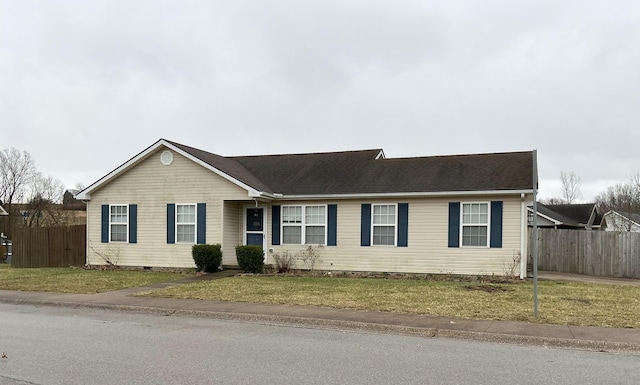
{"x":597,"y":253}
{"x":49,"y":246}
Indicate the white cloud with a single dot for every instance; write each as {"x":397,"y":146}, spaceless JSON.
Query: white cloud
{"x":86,"y":85}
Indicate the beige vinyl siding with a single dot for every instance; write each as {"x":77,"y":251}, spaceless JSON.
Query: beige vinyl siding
{"x":232,"y":232}
{"x":152,"y":185}
{"x":427,"y":250}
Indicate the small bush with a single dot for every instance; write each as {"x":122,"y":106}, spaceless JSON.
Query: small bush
{"x":250,"y":258}
{"x":310,"y":255}
{"x":207,"y":257}
{"x":284,"y":261}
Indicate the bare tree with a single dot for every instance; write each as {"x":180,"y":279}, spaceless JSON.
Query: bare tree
{"x":552,"y":201}
{"x":571,"y":184}
{"x":44,"y":207}
{"x":16,"y":173}
{"x":39,"y":196}
{"x":623,"y":198}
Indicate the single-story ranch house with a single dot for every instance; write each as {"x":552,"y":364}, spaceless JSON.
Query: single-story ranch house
{"x":460,"y":214}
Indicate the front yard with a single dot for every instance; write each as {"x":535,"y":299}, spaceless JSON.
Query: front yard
{"x":77,"y":280}
{"x":559,"y":302}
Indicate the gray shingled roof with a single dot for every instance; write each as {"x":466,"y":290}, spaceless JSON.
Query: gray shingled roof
{"x":359,"y":172}
{"x":574,"y":214}
{"x":227,"y":165}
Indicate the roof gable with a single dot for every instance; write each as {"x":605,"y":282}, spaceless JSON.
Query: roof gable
{"x":188,"y":152}
{"x":365,"y":172}
{"x":628,"y":216}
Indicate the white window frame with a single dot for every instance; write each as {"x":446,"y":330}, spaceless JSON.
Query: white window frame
{"x":303,"y":225}
{"x":126,"y":223}
{"x":195,"y":223}
{"x":395,"y":224}
{"x":463,"y":225}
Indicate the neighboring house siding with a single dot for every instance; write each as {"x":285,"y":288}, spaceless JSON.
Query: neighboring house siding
{"x":427,"y":248}
{"x":616,"y":222}
{"x":151,"y":186}
{"x":543,"y":222}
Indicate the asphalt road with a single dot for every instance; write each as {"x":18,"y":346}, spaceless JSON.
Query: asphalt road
{"x":49,"y":345}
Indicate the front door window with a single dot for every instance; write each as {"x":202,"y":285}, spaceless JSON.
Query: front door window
{"x":255,"y":226}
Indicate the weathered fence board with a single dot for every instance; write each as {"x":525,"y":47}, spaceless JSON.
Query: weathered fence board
{"x":597,"y":253}
{"x":49,"y":246}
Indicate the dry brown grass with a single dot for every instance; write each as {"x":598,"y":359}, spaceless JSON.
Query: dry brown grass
{"x":560,"y":302}
{"x":80,"y":281}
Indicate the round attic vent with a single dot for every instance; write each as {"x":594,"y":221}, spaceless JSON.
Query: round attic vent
{"x":166,"y":157}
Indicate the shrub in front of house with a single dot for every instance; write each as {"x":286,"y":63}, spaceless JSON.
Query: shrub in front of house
{"x":207,"y":257}
{"x":285,"y":261}
{"x":250,"y":258}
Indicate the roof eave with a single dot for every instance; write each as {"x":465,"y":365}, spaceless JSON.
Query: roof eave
{"x":261,"y":194}
{"x":550,"y":219}
{"x":420,"y":194}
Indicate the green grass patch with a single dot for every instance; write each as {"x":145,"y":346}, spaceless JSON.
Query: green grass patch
{"x":80,"y":281}
{"x":560,"y":302}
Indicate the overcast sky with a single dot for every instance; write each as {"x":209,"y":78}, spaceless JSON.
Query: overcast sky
{"x":85,"y":85}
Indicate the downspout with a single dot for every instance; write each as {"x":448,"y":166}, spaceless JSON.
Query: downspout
{"x":523,"y":235}
{"x":87,"y":239}
{"x":535,"y":233}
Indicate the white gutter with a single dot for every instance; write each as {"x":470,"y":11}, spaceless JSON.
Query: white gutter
{"x":261,"y":194}
{"x":401,"y":194}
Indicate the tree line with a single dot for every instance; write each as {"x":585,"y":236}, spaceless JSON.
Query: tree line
{"x":30,"y":198}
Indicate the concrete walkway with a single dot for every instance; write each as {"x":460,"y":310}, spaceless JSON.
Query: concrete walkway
{"x":554,"y":276}
{"x":579,"y":337}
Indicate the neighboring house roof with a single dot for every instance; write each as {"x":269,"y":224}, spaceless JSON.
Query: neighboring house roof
{"x":571,"y":215}
{"x":629,"y":216}
{"x":70,"y":203}
{"x":575,"y":213}
{"x":365,"y":172}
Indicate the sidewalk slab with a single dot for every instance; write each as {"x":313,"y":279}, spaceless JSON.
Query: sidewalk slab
{"x":631,"y":336}
{"x":530,"y":330}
